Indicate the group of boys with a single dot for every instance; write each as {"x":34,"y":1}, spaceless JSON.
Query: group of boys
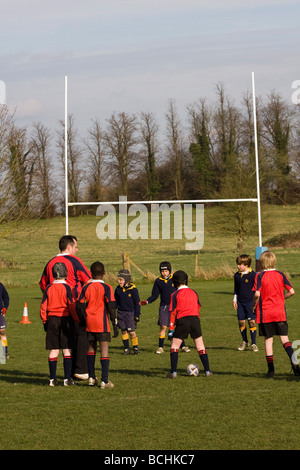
{"x":260,"y":299}
{"x":76,"y":299}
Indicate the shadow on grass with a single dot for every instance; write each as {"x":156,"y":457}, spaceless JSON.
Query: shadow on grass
{"x":19,"y":376}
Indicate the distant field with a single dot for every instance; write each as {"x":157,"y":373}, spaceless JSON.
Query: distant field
{"x":236,"y":409}
{"x":25,"y":250}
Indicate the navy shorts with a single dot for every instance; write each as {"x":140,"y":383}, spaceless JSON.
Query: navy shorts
{"x":164,"y":315}
{"x":126,"y":320}
{"x":187,"y":325}
{"x":60,"y":333}
{"x":244,"y":311}
{"x":3,"y":323}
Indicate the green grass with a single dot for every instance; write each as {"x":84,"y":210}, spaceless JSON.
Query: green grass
{"x":237,"y":408}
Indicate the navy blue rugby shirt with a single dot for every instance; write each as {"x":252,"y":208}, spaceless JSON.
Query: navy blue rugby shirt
{"x":243,"y":284}
{"x":164,"y":288}
{"x":4,"y":297}
{"x":128,"y":299}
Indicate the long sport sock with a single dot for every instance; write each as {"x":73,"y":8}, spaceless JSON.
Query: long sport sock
{"x":253,"y":335}
{"x":52,"y":361}
{"x":270,"y":362}
{"x":105,"y":368}
{"x":288,"y":349}
{"x":67,"y":367}
{"x":161,"y":341}
{"x":91,"y":363}
{"x":244,"y":334}
{"x":125,"y":339}
{"x":204,"y":359}
{"x":174,"y":359}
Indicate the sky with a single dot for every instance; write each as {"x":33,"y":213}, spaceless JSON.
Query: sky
{"x":135,"y":55}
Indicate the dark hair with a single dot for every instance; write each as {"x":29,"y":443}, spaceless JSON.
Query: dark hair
{"x":65,"y":241}
{"x":180,"y":278}
{"x":244,"y":259}
{"x":97,"y":269}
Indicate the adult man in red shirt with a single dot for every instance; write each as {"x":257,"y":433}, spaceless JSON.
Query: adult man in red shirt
{"x":78,"y":275}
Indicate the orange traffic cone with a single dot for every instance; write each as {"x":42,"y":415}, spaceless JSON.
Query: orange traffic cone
{"x":25,"y":315}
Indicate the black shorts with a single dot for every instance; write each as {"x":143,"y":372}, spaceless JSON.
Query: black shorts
{"x":60,"y":333}
{"x":187,"y":325}
{"x":94,"y":337}
{"x":268,"y":330}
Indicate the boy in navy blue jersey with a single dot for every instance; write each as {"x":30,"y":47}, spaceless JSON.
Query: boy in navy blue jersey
{"x":184,"y":321}
{"x":4,"y":303}
{"x":243,"y":300}
{"x":163,"y":286}
{"x":128,"y":313}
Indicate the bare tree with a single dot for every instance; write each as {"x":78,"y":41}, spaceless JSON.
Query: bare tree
{"x":74,"y":154}
{"x":121,"y":141}
{"x":40,"y":144}
{"x":95,"y":145}
{"x":277,"y":117}
{"x":201,"y":148}
{"x":175,"y":147}
{"x":227,"y":124}
{"x":149,"y":132}
{"x":21,"y":164}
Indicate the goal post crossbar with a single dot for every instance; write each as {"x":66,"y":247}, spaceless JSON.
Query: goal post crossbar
{"x":196,"y":201}
{"x":174,"y":201}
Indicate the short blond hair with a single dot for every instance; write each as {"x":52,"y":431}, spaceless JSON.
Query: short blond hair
{"x":267,"y":260}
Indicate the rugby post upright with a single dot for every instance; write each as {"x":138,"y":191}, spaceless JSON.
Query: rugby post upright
{"x":66,"y":156}
{"x":259,"y":249}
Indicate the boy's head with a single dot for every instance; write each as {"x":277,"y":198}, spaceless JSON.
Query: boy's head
{"x":124,"y":277}
{"x":244,"y":261}
{"x":165,"y":269}
{"x":267,"y":260}
{"x":59,"y":271}
{"x":97,"y":270}
{"x":180,"y":278}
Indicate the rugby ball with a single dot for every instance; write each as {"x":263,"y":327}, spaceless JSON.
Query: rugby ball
{"x":192,"y":369}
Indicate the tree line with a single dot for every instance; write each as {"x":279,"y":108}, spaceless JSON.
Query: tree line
{"x":211,"y":155}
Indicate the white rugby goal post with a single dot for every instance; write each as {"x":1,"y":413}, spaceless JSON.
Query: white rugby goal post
{"x":195,"y":201}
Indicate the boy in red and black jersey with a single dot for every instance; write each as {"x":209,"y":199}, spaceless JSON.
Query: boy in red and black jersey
{"x":269,"y":304}
{"x":185,"y":320}
{"x":95,"y":305}
{"x":57,"y":312}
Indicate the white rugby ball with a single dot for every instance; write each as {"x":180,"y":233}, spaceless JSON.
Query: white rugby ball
{"x":192,"y":369}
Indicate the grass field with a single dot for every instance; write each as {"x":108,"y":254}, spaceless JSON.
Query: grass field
{"x":235,"y":409}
